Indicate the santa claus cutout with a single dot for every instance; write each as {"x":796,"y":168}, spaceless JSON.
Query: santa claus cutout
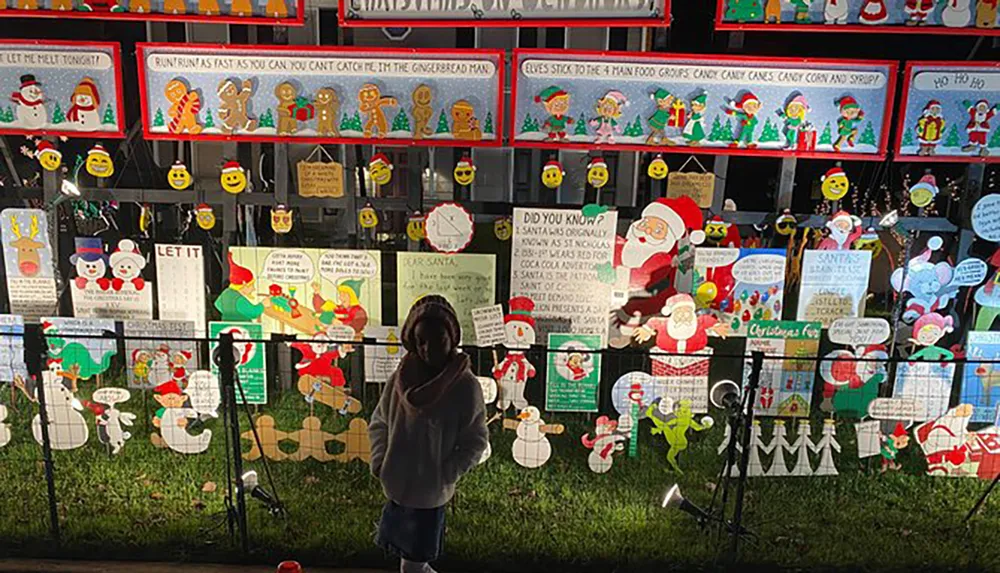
{"x":843,"y":229}
{"x":680,"y":330}
{"x":514,"y":370}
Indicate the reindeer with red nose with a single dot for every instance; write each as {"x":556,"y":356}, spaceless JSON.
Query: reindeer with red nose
{"x":29,"y":262}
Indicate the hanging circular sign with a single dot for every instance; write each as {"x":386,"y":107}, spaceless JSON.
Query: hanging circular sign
{"x":449,"y":228}
{"x":986,"y":218}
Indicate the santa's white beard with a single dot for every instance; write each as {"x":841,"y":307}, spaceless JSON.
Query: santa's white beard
{"x":839,"y":235}
{"x":636,"y":252}
{"x":679,"y":331}
{"x":980,"y":117}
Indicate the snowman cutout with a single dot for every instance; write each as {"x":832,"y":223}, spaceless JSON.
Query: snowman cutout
{"x":609,"y":437}
{"x":514,"y":370}
{"x":4,"y":427}
{"x":111,"y":421}
{"x":30,"y":100}
{"x":489,"y":388}
{"x":90,"y":263}
{"x":67,"y":427}
{"x":532,"y":449}
{"x":126,"y":266}
{"x":84,"y":104}
{"x":957,"y":13}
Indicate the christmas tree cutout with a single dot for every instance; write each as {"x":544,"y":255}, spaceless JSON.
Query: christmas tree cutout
{"x":826,"y":138}
{"x":743,"y":10}
{"x":401,"y":122}
{"x":995,"y":138}
{"x":488,"y":124}
{"x":770,"y":132}
{"x":634,"y":129}
{"x":728,"y":130}
{"x":952,"y":139}
{"x":907,"y":138}
{"x":442,"y":126}
{"x":109,"y":116}
{"x":716,"y":134}
{"x":57,"y":115}
{"x":581,"y":126}
{"x":6,"y":115}
{"x":266,"y":119}
{"x":209,"y":120}
{"x":355,"y":124}
{"x":158,"y":118}
{"x":530,"y":124}
{"x":868,"y":135}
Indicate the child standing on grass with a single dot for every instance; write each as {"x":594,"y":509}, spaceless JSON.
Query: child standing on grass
{"x":428,"y":429}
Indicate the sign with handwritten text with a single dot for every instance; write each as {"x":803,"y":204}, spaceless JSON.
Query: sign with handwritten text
{"x":834,"y":285}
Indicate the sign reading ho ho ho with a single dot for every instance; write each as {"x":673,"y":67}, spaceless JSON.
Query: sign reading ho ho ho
{"x":322,"y":95}
{"x":514,"y":13}
{"x":679,"y":103}
{"x":950,"y":112}
{"x":71,"y":89}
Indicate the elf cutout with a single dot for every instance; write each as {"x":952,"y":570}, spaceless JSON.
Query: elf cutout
{"x":556,"y":104}
{"x":745,"y":111}
{"x":851,"y":115}
{"x":514,"y":371}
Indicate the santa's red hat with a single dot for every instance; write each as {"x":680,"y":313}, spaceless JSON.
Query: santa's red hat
{"x":231,"y":166}
{"x":170,"y":387}
{"x":203,"y":208}
{"x":681,"y":214}
{"x":833,"y":172}
{"x":379,"y":158}
{"x":178,"y":164}
{"x":465,"y":163}
{"x":847,"y":102}
{"x":98,"y":149}
{"x":675,"y":302}
{"x":46,"y":146}
{"x":745,"y":99}
{"x":841,"y":216}
{"x":981,"y":103}
{"x":596,"y":162}
{"x":932,"y":103}
{"x":553,"y":164}
{"x":521,"y":308}
{"x":238,"y":276}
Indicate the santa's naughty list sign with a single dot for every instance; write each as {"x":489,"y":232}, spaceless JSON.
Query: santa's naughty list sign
{"x":556,"y":254}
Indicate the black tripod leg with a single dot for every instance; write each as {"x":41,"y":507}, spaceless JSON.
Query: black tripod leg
{"x":982,"y":499}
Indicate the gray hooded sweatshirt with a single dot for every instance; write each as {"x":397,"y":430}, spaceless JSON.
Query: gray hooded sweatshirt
{"x":427,"y":431}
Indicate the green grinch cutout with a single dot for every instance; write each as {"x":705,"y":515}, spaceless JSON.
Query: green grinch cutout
{"x":74,"y":357}
{"x":674,"y":421}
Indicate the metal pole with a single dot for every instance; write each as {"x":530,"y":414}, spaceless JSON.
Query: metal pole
{"x":734,"y":533}
{"x":227,"y":372}
{"x":36,"y":353}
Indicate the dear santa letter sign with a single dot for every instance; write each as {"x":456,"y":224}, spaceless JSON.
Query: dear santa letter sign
{"x":950,"y":112}
{"x":705,"y":104}
{"x":71,"y":89}
{"x":504,"y":13}
{"x":322,"y":94}
{"x":879,"y":16}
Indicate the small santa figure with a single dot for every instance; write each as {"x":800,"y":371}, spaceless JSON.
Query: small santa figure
{"x":514,"y":370}
{"x":83,"y":107}
{"x":126,"y":266}
{"x":980,"y":114}
{"x":873,"y":13}
{"x":843,"y":229}
{"x":179,"y":361}
{"x":917,"y":11}
{"x":90,"y":262}
{"x":930,"y":128}
{"x":30,"y":100}
{"x":680,"y":330}
{"x":319,"y":359}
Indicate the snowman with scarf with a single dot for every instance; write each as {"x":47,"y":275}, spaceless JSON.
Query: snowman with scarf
{"x":514,"y":370}
{"x":609,"y":436}
{"x":126,"y":266}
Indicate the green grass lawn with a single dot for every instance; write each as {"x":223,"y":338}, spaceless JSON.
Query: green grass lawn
{"x":148,"y":504}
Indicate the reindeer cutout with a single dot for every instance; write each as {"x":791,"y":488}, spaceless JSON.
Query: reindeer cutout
{"x":29,"y":261}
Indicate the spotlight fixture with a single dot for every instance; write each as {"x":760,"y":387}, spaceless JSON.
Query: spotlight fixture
{"x":674,"y":499}
{"x":251,"y":484}
{"x":725,"y":394}
{"x":69,"y":188}
{"x":889,"y":220}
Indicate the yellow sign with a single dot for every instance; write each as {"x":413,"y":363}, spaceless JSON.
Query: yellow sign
{"x":698,"y":186}
{"x":321,"y":179}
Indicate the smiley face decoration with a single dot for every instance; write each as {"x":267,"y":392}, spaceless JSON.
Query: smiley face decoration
{"x":923,"y":193}
{"x":48,"y":156}
{"x":552,"y":174}
{"x":99,"y":163}
{"x":834,"y":184}
{"x":233,"y":178}
{"x":597,"y":172}
{"x":179,"y":177}
{"x":503,"y":228}
{"x":657,"y":168}
{"x":204,"y":216}
{"x":465,"y":171}
{"x":367,"y":217}
{"x":380,"y":169}
{"x":281,"y":219}
{"x":416,"y":226}
{"x":786,"y":223}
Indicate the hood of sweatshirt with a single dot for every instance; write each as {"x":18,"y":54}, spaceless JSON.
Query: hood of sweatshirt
{"x":420,"y":389}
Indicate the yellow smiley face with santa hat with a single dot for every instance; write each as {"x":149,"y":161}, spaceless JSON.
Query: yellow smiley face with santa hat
{"x":834,"y":184}
{"x":552,"y":174}
{"x":597,"y":172}
{"x":233,"y":178}
{"x":99,"y":162}
{"x":48,"y":156}
{"x":179,"y":177}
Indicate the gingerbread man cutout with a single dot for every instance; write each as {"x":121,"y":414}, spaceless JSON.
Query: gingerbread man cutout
{"x":312,"y":441}
{"x":233,"y":113}
{"x":286,"y":94}
{"x":356,"y":443}
{"x":464,"y":123}
{"x":173,"y":6}
{"x":184,"y":108}
{"x":327,"y":106}
{"x":269,"y":438}
{"x":422,"y":111}
{"x":370,"y":103}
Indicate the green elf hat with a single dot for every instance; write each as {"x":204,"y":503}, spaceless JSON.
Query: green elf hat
{"x":353,"y":284}
{"x":550,"y":93}
{"x":700,"y":99}
{"x":847,"y":102}
{"x":659,"y":94}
